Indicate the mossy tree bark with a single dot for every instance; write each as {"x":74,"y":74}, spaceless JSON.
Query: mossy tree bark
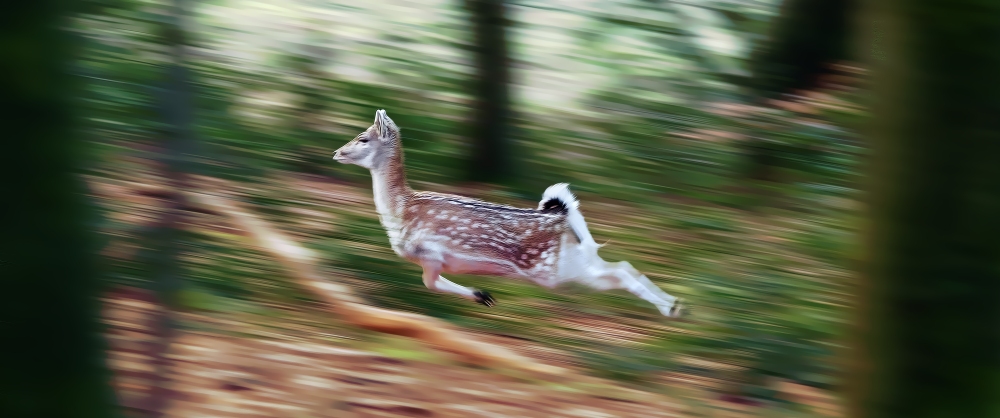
{"x":52,"y":360}
{"x":929,"y":324}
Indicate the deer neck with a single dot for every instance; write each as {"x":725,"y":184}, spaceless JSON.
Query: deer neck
{"x":390,"y":189}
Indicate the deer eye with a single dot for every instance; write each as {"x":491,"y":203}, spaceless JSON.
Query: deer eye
{"x":363,"y":140}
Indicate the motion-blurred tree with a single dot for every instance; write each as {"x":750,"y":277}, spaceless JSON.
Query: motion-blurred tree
{"x":52,"y":354}
{"x":929,"y":323}
{"x":805,"y":39}
{"x":491,"y":143}
{"x":178,"y":147}
{"x":166,"y":238}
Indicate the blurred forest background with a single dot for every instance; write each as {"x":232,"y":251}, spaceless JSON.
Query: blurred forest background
{"x":714,"y":144}
{"x":741,"y":206}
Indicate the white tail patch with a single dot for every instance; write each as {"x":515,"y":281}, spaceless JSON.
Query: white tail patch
{"x":560,"y":192}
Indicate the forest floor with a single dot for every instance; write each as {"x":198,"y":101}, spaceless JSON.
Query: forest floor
{"x":219,"y":374}
{"x":292,"y":359}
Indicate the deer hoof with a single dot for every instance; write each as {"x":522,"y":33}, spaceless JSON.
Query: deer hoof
{"x":675,"y":311}
{"x":484,"y":298}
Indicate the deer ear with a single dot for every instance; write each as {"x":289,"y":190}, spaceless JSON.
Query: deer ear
{"x":384,"y":127}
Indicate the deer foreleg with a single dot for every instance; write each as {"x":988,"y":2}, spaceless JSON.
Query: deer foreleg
{"x":434,"y":281}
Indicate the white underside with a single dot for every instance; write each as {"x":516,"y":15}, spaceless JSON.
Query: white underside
{"x":577,"y":263}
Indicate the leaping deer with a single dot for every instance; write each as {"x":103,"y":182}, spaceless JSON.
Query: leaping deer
{"x":446,"y":233}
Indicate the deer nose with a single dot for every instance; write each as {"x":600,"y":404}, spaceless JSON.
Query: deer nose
{"x":336,"y":155}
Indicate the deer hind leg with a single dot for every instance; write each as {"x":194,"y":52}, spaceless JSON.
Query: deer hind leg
{"x":434,"y":281}
{"x":622,"y":275}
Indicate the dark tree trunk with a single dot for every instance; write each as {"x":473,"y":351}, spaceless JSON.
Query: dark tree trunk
{"x":491,"y":154}
{"x":929,"y":323}
{"x":52,"y":359}
{"x":165,"y":240}
{"x":806,"y":37}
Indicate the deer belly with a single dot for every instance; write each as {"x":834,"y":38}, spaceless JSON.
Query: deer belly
{"x":473,"y":264}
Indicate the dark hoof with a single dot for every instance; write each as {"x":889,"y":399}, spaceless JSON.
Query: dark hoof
{"x":675,"y":311}
{"x":484,"y":298}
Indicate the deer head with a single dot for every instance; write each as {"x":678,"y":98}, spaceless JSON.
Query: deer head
{"x":374,"y":147}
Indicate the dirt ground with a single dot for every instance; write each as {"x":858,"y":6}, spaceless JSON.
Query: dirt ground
{"x":214,"y":375}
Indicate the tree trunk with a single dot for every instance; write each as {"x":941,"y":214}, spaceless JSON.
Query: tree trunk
{"x":806,"y":37}
{"x":165,"y":240}
{"x":929,"y":324}
{"x":491,"y":154}
{"x":176,"y":104}
{"x":52,"y":359}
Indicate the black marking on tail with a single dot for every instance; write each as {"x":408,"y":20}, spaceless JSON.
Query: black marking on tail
{"x":555,"y":205}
